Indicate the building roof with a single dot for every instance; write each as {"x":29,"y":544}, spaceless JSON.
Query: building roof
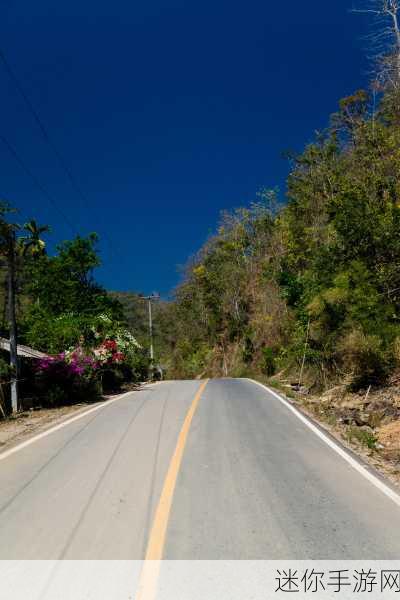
{"x":22,"y":350}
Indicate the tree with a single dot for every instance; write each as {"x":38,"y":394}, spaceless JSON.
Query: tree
{"x":65,"y":282}
{"x":32,"y":244}
{"x":65,"y":297}
{"x":386,"y":39}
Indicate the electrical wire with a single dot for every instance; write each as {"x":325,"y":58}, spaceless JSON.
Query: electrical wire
{"x":36,"y":181}
{"x":47,"y":138}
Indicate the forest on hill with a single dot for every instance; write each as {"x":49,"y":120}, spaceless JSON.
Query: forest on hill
{"x":310,"y":288}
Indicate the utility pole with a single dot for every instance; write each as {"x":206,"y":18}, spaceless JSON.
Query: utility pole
{"x":151,"y":332}
{"x":304,"y":354}
{"x":149,"y":300}
{"x":12,"y":323}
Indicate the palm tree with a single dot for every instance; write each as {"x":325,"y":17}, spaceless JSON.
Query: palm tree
{"x":11,"y":249}
{"x":33,"y":243}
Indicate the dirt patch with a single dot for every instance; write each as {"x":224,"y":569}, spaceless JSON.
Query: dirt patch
{"x":389,"y":435}
{"x":23,"y":425}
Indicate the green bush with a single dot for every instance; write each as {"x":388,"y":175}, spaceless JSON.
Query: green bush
{"x":53,"y":334}
{"x":113,"y":378}
{"x":268,"y":362}
{"x":364,"y":359}
{"x":139,"y":364}
{"x":366,"y":438}
{"x":56,"y":395}
{"x":5,"y":370}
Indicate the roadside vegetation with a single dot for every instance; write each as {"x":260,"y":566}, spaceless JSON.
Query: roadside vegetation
{"x":310,"y":288}
{"x":89,"y":348}
{"x":303,"y":289}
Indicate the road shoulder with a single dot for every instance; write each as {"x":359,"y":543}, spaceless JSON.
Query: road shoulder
{"x":28,"y":425}
{"x":374,"y":465}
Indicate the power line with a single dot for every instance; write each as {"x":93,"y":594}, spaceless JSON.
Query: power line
{"x":36,"y":181}
{"x":47,"y":138}
{"x":40,"y":124}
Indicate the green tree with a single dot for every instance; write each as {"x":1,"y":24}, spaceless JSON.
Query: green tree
{"x":33,"y":244}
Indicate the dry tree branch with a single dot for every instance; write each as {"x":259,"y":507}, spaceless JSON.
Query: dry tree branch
{"x":385,"y":39}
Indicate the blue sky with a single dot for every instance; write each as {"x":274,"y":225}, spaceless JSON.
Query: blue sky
{"x":166,"y":113}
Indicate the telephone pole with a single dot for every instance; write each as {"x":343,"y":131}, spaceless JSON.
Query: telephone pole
{"x":151,"y":299}
{"x":12,"y":323}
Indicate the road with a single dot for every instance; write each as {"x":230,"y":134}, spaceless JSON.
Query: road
{"x":183,"y":470}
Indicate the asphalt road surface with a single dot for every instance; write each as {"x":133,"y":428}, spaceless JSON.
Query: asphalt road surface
{"x":183,"y":470}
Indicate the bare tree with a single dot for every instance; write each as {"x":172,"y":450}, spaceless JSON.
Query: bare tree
{"x":385,"y":39}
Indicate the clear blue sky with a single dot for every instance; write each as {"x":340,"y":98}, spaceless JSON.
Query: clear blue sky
{"x":166,"y":112}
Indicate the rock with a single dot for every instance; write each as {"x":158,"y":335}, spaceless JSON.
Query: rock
{"x":303,"y":390}
{"x":333,"y":394}
{"x":367,"y":429}
{"x":373,"y":419}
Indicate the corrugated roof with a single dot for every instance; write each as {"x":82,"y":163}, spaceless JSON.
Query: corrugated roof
{"x":22,"y":350}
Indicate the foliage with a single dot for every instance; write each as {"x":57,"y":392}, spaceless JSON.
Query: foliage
{"x":5,"y":370}
{"x":364,"y":437}
{"x":65,"y":313}
{"x":268,"y":364}
{"x":80,"y":373}
{"x":66,"y":379}
{"x":313,"y":280}
{"x":329,"y":257}
{"x":64,"y":283}
{"x":365,"y":358}
{"x":54,"y":333}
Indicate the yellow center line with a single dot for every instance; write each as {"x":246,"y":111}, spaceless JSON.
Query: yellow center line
{"x":156,"y":541}
{"x":155,"y":546}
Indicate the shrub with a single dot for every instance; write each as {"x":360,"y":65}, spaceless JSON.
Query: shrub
{"x":366,"y":438}
{"x":112,"y":378}
{"x":139,"y":363}
{"x":5,"y":370}
{"x":364,"y":358}
{"x":56,"y":395}
{"x":268,"y":362}
{"x":53,"y":334}
{"x":68,"y":379}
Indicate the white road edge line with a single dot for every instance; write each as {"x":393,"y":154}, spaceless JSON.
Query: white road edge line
{"x":44,"y":434}
{"x":385,"y":489}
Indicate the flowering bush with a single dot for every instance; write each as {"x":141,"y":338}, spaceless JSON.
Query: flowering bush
{"x":68,"y":378}
{"x":108,"y":353}
{"x":117,"y":356}
{"x":79,"y":373}
{"x":80,"y":361}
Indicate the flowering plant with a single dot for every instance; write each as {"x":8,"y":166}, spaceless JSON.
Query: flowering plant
{"x":80,"y":371}
{"x":68,"y":377}
{"x":72,"y":363}
{"x":108,"y":353}
{"x":117,"y":349}
{"x":80,"y":361}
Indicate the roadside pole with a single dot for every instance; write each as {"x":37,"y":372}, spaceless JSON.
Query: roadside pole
{"x":149,"y":300}
{"x":151,"y":333}
{"x":13,"y":324}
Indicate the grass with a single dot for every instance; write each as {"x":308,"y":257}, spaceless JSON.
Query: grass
{"x":365,"y":438}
